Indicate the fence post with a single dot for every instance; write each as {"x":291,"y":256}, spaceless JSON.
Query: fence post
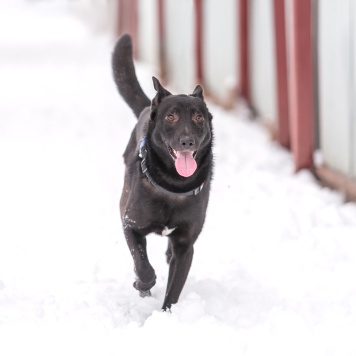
{"x":283,"y":134}
{"x":127,"y":20}
{"x":243,"y":34}
{"x":198,"y":13}
{"x":301,"y":85}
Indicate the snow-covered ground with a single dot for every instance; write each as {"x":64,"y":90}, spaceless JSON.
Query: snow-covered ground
{"x":274,"y":268}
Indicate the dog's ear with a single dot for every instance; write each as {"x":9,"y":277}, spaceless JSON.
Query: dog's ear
{"x":198,"y":92}
{"x":161,"y":93}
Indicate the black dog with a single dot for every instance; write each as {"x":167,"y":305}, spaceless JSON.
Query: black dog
{"x":168,"y":172}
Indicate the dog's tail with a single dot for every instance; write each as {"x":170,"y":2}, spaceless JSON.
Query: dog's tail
{"x":125,"y":76}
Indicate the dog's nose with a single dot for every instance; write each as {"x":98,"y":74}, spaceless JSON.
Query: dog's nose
{"x":187,"y":142}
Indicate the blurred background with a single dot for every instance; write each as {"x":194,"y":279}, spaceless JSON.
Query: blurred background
{"x":291,"y":61}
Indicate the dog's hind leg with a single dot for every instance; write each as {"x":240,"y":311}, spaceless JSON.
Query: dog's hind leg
{"x":145,"y":274}
{"x":179,"y":266}
{"x":169,"y":252}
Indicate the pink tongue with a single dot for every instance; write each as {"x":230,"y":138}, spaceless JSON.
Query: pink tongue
{"x":185,"y":163}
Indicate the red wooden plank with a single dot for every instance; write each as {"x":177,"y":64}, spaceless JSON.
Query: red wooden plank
{"x":162,"y":42}
{"x":134,"y":26}
{"x":198,"y":13}
{"x":243,"y":49}
{"x":127,"y":20}
{"x":119,"y":26}
{"x":301,"y":85}
{"x":283,"y":134}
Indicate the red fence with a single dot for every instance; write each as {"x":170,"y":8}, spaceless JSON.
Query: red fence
{"x":295,"y":80}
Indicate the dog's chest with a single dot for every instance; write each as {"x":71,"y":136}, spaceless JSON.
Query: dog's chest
{"x":149,"y":225}
{"x":167,"y":231}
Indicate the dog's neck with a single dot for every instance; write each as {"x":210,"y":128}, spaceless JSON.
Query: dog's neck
{"x":143,"y":156}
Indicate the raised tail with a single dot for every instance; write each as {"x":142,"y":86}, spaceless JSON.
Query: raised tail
{"x":125,"y":76}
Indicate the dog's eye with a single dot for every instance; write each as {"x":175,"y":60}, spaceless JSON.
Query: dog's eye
{"x":171,"y":118}
{"x":199,"y":118}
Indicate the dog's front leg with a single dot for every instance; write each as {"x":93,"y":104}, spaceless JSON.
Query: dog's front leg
{"x":146,"y":277}
{"x":179,"y":266}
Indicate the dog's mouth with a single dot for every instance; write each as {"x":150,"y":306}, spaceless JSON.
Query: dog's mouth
{"x":184,"y":161}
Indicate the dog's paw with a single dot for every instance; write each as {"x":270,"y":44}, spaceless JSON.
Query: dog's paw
{"x":146,"y":293}
{"x":144,"y":288}
{"x":143,"y":293}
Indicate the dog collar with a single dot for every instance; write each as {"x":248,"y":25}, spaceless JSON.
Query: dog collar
{"x":143,"y":155}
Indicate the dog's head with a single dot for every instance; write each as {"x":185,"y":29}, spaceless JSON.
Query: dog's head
{"x":181,"y":128}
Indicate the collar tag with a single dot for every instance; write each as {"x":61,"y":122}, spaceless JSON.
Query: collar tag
{"x":196,"y":191}
{"x":142,"y":147}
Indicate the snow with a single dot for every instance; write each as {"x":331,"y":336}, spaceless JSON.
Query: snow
{"x":274,"y":268}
